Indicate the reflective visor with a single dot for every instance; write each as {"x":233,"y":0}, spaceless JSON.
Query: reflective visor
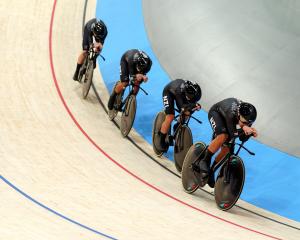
{"x":243,"y":120}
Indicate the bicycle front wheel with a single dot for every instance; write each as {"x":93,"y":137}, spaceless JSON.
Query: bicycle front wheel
{"x":183,"y":142}
{"x":128,"y":115}
{"x":88,"y":78}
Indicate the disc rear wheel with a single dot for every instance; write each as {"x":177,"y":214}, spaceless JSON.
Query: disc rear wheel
{"x":229,"y":183}
{"x":189,"y":181}
{"x":159,"y":119}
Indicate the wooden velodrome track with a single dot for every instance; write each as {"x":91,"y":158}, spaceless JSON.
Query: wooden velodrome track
{"x":65,"y":171}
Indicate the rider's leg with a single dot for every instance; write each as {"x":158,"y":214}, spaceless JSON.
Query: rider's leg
{"x":136,"y":86}
{"x":122,"y":84}
{"x":139,"y":78}
{"x":222,"y":153}
{"x":80,"y":61}
{"x":165,"y":129}
{"x":213,"y":147}
{"x":219,"y":129}
{"x":167,"y":123}
{"x":81,"y":57}
{"x":120,"y":87}
{"x":117,"y":90}
{"x":217,"y":142}
{"x":83,"y":54}
{"x":224,"y":150}
{"x":168,"y":102}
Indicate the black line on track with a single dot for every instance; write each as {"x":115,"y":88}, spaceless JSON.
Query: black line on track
{"x":84,"y":15}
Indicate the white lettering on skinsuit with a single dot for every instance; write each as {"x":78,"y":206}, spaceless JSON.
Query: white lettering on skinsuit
{"x":165,"y":101}
{"x":213,"y":123}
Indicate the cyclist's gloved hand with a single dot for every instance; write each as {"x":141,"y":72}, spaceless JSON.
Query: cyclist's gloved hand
{"x":145,"y":78}
{"x":98,"y":47}
{"x":243,"y":137}
{"x":191,"y":107}
{"x":198,"y":107}
{"x":141,"y":77}
{"x":188,"y":107}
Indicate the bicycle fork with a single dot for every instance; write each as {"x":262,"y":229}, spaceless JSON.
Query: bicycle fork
{"x":127,"y":103}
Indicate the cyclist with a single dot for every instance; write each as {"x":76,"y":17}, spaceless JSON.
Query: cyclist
{"x":185,"y":94}
{"x":93,"y":30}
{"x":134,"y":63}
{"x":227,"y":118}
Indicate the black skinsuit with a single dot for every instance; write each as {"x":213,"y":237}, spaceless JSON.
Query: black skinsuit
{"x":128,"y":66}
{"x":223,"y":117}
{"x":88,"y":35}
{"x":174,"y":91}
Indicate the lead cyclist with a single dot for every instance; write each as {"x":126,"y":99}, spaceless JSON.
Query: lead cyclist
{"x":94,"y":33}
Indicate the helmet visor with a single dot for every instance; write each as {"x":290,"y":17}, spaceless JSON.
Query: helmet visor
{"x":98,"y":39}
{"x":189,"y":96}
{"x":190,"y":92}
{"x":243,"y":120}
{"x":141,"y":66}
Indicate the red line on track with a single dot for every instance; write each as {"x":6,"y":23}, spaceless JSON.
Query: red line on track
{"x":114,"y":161}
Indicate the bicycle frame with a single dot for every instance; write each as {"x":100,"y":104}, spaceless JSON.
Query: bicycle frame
{"x":131,"y":90}
{"x":231,"y":154}
{"x":184,"y":119}
{"x":91,"y":56}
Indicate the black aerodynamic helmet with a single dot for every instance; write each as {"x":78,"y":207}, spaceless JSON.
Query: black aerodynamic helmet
{"x":192,"y":91}
{"x":99,"y":30}
{"x":142,"y":61}
{"x":248,"y":112}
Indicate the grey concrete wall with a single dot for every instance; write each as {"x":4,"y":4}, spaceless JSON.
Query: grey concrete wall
{"x":245,"y":49}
